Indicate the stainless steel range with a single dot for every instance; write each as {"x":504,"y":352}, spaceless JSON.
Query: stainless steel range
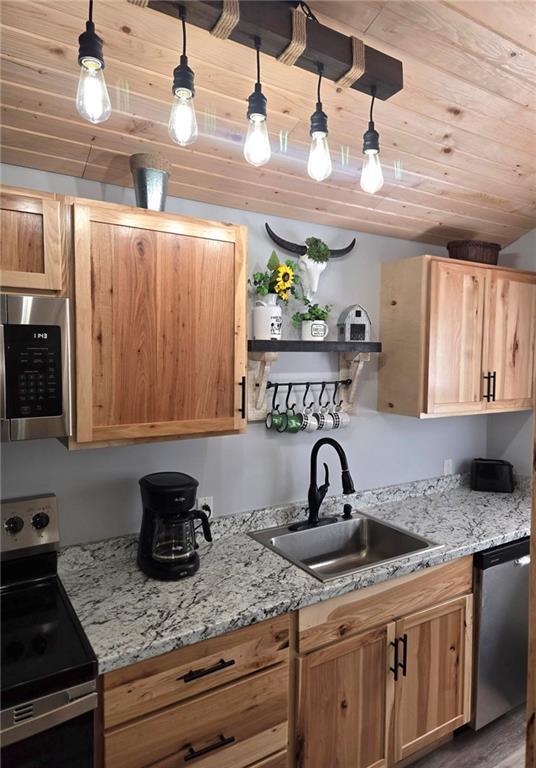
{"x":48,"y":689}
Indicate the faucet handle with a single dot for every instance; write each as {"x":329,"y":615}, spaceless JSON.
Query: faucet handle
{"x":324,"y":488}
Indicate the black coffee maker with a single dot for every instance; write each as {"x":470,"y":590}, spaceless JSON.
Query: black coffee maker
{"x":167,"y":546}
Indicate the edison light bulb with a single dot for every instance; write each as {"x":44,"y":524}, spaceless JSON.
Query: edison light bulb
{"x":319,"y":163}
{"x":257,"y":149}
{"x":182,"y":124}
{"x":92,"y":100}
{"x":371,"y":175}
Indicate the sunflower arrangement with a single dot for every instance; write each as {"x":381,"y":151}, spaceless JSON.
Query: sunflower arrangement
{"x":279,"y":277}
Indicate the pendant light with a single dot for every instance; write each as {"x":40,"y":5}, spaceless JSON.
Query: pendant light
{"x":92,"y":99}
{"x":319,"y":163}
{"x":257,"y":149}
{"x":371,"y":174}
{"x":182,"y":124}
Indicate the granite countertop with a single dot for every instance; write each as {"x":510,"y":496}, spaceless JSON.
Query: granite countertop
{"x":129,"y":617}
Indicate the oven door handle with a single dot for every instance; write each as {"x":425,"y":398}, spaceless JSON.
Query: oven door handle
{"x":47,"y":720}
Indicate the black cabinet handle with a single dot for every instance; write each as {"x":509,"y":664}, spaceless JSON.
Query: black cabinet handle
{"x":404,"y":665}
{"x":394,"y":669}
{"x":243,"y":401}
{"x":493,"y":380}
{"x":195,"y":674}
{"x":487,"y":379}
{"x":222,"y":742}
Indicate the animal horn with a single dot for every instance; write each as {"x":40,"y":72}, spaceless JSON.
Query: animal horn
{"x":342,"y":251}
{"x":296,"y":248}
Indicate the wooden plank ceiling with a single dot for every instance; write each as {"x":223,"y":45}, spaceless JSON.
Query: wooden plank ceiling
{"x":458,"y":143}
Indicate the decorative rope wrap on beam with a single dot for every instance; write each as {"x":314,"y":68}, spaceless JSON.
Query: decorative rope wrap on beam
{"x":141,"y":3}
{"x":296,"y":47}
{"x":228,"y":20}
{"x":358,"y":64}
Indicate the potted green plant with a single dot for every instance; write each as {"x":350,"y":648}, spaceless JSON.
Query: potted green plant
{"x":278,"y":281}
{"x":312,"y":322}
{"x":313,"y":263}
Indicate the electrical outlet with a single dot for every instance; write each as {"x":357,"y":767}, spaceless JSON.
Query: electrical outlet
{"x":448,"y":467}
{"x":209,"y":502}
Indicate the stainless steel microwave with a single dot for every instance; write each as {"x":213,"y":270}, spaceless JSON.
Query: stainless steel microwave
{"x":35,"y":367}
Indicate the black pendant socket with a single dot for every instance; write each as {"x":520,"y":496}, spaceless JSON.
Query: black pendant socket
{"x":90,"y":45}
{"x":371,"y":139}
{"x":257,"y":102}
{"x":183,"y":76}
{"x":319,"y":120}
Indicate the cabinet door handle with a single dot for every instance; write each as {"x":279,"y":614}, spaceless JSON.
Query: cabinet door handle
{"x":243,"y":400}
{"x":222,"y":742}
{"x":396,"y":664}
{"x":487,"y":394}
{"x":493,"y":382}
{"x":195,"y":674}
{"x":404,"y":664}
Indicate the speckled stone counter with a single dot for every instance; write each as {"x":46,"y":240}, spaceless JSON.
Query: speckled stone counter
{"x":129,"y":617}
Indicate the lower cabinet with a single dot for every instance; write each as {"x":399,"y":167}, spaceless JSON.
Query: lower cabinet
{"x":381,"y":695}
{"x":221,"y":703}
{"x":346,"y":696}
{"x":433,"y":690}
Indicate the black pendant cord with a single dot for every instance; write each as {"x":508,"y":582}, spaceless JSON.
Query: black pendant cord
{"x":182,"y":17}
{"x":320,"y":75}
{"x":373,"y":92}
{"x":90,"y":14}
{"x":258,"y":49}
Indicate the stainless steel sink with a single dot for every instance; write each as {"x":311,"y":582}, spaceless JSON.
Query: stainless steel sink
{"x":346,"y":546}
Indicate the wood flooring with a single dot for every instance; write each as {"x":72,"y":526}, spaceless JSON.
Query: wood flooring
{"x":500,"y":745}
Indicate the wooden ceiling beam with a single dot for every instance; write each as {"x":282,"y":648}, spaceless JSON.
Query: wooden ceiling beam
{"x":271,"y":20}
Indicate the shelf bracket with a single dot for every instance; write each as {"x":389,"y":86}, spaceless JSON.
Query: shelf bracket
{"x":351,"y":367}
{"x":260,"y":364}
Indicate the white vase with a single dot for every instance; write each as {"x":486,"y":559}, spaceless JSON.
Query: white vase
{"x":314,"y":330}
{"x":310,"y":274}
{"x":267,"y":318}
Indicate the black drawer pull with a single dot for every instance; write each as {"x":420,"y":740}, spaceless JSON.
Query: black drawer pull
{"x":194,"y":674}
{"x":493,"y":378}
{"x":394,"y":669}
{"x":487,"y":379}
{"x":222,"y":742}
{"x":404,"y":665}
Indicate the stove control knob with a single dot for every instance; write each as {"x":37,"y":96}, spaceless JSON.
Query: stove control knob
{"x":14,"y":525}
{"x":40,"y":520}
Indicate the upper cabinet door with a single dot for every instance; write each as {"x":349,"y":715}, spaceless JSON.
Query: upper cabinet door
{"x":30,"y":242}
{"x":160,"y":324}
{"x":510,"y":331}
{"x":455,"y":342}
{"x":346,"y":695}
{"x":433,"y":692}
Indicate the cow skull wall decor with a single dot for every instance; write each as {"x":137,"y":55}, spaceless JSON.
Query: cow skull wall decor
{"x":313,"y":258}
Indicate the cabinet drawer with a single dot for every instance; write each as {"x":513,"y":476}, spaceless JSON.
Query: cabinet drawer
{"x":168,"y":679}
{"x":228,"y":728}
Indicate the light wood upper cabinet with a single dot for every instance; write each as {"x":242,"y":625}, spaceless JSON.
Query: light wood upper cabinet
{"x":509,"y":352}
{"x":457,"y":337}
{"x":346,"y":693}
{"x":31,"y":245}
{"x":433,"y":692}
{"x":160,"y":324}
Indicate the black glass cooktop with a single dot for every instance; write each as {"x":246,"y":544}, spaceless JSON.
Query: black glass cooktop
{"x":43,"y":645}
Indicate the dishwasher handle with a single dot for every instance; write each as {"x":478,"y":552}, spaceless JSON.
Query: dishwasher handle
{"x":521,"y":562}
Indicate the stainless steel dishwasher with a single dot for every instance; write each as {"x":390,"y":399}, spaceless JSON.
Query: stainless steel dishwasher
{"x":501,"y":624}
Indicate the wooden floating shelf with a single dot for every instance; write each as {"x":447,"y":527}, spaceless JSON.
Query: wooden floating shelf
{"x":346,"y":347}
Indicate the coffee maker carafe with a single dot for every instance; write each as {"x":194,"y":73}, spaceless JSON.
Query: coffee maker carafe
{"x":167,"y":546}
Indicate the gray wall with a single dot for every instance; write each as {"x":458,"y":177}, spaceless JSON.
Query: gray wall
{"x":510,"y":434}
{"x":97,"y":488}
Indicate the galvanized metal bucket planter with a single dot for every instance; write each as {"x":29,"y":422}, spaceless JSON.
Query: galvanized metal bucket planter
{"x":150,"y":173}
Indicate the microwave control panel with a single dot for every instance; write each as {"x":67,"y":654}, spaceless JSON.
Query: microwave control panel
{"x":33,"y":371}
